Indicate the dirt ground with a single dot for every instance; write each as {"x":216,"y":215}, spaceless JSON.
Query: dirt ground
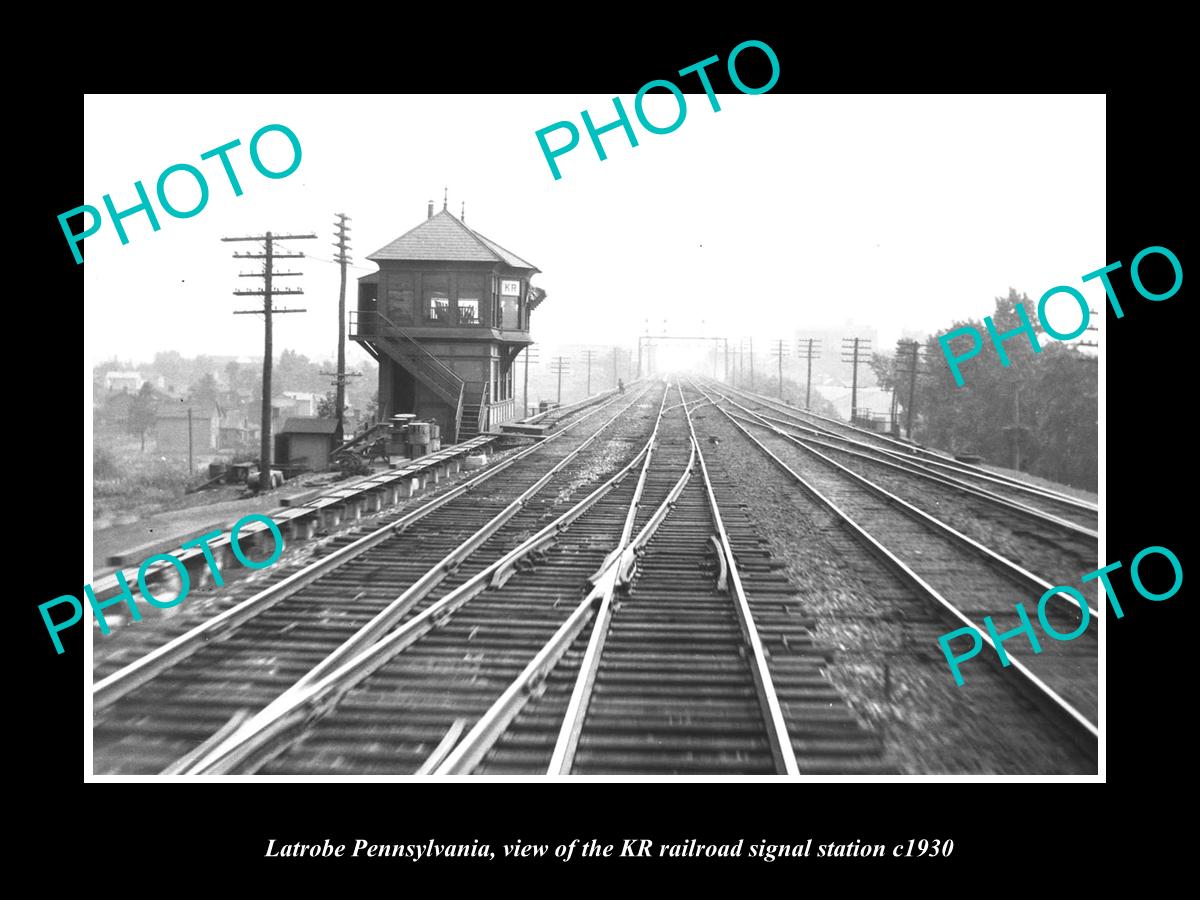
{"x":216,"y":507}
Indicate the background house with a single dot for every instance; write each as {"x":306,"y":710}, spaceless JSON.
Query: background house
{"x":172,"y":428}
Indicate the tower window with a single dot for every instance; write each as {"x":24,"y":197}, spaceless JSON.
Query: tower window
{"x":468,"y":311}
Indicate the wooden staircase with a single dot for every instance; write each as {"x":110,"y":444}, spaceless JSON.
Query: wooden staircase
{"x":378,"y":334}
{"x":473,"y":410}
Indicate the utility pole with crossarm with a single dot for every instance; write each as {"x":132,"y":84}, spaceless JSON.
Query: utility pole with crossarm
{"x":268,"y":273}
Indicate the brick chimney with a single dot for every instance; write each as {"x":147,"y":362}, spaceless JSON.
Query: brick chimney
{"x":430,"y":216}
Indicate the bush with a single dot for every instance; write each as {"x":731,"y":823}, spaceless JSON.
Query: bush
{"x":104,"y":464}
{"x":137,"y":476}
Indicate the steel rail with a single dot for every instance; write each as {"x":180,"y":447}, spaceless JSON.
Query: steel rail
{"x":270,"y":731}
{"x":1003,"y":564}
{"x":692,"y":405}
{"x":777,"y":733}
{"x":922,"y":456}
{"x":913,"y":467}
{"x":919,"y":471}
{"x":391,"y":614}
{"x":570,"y":408}
{"x":382,"y":622}
{"x":111,"y":688}
{"x":1063,"y":711}
{"x":599,"y":601}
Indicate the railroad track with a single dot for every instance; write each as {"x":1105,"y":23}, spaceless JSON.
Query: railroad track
{"x":1050,"y":507}
{"x":699,"y":662}
{"x":684,"y":683}
{"x":607,"y":606}
{"x":961,"y":580}
{"x":387,"y":708}
{"x":158,"y":709}
{"x":131,"y":645}
{"x":1057,"y":550}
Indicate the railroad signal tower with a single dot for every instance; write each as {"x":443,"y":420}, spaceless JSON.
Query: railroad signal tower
{"x":446,"y":316}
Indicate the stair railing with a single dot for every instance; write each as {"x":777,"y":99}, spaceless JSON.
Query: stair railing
{"x":438,"y":371}
{"x":484,"y":409}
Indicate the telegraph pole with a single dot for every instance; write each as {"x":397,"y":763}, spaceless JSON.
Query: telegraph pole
{"x":852,"y":346}
{"x":913,"y":351}
{"x":616,"y":350}
{"x":588,"y":354}
{"x":560,"y":364}
{"x":343,"y":258}
{"x":268,"y":256}
{"x":751,"y":363}
{"x":529,"y":349}
{"x":1094,"y":314}
{"x":1017,"y":426}
{"x":1017,"y":430}
{"x":780,"y":351}
{"x":809,"y":349}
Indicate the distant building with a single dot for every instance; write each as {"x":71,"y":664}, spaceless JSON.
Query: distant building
{"x":118,"y":382}
{"x":171,"y":428}
{"x":303,"y":403}
{"x":237,"y":430}
{"x":305,"y":440}
{"x":293,"y":404}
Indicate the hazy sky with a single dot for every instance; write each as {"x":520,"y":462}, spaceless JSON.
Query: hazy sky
{"x":778,"y":212}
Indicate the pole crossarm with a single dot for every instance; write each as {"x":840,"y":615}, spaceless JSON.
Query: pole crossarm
{"x":265,"y":472}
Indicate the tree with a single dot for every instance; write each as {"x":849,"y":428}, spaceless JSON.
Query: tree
{"x":233,"y":374}
{"x":327,"y":406}
{"x":296,"y":372}
{"x":793,"y":393}
{"x":173,"y":368}
{"x":1037,"y":414}
{"x":142,"y":412}
{"x":206,"y":391}
{"x":884,"y":367}
{"x":254,"y":411}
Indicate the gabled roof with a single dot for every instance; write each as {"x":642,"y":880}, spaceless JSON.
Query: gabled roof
{"x":170,"y":409}
{"x":308,"y":425}
{"x":507,"y":255}
{"x":443,"y":238}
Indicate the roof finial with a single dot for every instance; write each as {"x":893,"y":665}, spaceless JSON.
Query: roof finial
{"x":463,"y":212}
{"x":445,"y":195}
